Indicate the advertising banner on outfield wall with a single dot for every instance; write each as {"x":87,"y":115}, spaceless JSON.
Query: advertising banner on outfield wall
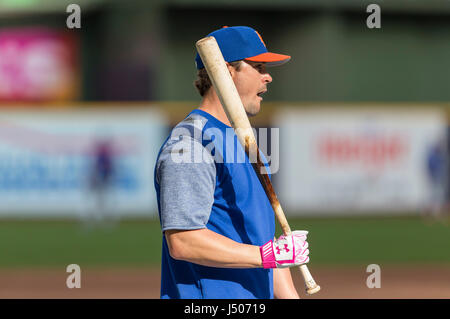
{"x":336,"y":161}
{"x":38,"y":64}
{"x":92,"y":163}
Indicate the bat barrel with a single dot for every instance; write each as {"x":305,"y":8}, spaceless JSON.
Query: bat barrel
{"x":220,"y":77}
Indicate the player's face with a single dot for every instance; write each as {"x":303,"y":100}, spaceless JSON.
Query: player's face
{"x":251,"y":82}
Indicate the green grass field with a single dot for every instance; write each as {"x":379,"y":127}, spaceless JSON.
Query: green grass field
{"x":136,"y":243}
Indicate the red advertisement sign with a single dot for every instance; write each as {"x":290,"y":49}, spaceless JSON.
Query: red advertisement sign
{"x":38,"y":64}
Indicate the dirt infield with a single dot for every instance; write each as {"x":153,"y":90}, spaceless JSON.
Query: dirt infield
{"x":338,"y":282}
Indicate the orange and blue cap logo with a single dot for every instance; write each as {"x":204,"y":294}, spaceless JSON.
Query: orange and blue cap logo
{"x":260,"y":37}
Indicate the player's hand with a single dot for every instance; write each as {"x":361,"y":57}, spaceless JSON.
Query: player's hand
{"x":286,"y":251}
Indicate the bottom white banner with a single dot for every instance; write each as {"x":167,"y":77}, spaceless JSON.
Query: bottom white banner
{"x":68,"y":163}
{"x":355,"y":160}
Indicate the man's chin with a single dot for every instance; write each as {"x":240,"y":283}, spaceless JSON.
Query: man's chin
{"x":253,"y":110}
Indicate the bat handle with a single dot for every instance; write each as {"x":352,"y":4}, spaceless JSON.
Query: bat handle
{"x":311,"y":286}
{"x":310,"y":283}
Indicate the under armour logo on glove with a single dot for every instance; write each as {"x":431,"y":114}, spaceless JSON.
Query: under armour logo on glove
{"x":291,"y":250}
{"x":286,"y":249}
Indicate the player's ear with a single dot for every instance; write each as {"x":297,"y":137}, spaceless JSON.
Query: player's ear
{"x":231,"y":69}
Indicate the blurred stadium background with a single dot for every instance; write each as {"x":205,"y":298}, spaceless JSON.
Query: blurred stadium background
{"x":361,"y":115}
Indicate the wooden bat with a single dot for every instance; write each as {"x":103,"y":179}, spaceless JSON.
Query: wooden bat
{"x":220,"y":77}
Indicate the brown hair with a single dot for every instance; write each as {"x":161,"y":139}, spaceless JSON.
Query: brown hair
{"x":203,"y":83}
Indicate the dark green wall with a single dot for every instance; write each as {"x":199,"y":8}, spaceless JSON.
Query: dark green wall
{"x":335,"y":57}
{"x":144,"y":50}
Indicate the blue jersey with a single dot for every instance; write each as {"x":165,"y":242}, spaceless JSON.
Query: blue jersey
{"x":215,"y":187}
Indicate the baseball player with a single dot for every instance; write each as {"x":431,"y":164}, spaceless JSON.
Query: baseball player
{"x":218,"y":225}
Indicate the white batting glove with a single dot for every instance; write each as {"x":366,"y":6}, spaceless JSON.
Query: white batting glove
{"x":286,"y":251}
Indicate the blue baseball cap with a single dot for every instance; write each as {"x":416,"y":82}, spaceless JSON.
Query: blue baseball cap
{"x":239,"y":43}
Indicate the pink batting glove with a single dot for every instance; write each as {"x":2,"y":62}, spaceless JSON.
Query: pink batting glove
{"x":286,"y":251}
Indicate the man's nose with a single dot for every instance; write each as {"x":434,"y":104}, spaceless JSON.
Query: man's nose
{"x":267,"y":78}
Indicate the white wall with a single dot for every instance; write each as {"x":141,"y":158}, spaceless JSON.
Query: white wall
{"x":356,"y":160}
{"x":46,"y":160}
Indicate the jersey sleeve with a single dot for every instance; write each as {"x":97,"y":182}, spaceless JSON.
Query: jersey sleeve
{"x":186,"y":175}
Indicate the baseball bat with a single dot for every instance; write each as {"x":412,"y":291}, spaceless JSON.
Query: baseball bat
{"x":220,"y":77}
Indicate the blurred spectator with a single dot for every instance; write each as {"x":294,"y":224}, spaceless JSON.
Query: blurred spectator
{"x":437,"y":162}
{"x":100,"y":181}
